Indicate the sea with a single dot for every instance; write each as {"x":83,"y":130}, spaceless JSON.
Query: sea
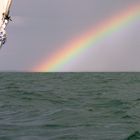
{"x":69,"y":106}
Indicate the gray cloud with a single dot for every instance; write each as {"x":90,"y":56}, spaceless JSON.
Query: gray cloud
{"x":39,"y":28}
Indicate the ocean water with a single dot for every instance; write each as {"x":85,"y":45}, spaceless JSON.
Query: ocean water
{"x":69,"y":106}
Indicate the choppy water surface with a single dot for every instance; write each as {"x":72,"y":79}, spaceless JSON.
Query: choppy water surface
{"x":69,"y":106}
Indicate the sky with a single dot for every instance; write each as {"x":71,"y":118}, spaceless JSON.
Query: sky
{"x":40,"y":29}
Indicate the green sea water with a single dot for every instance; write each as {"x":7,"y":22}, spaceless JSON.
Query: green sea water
{"x":69,"y":106}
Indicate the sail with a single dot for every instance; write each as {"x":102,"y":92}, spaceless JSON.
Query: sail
{"x":4,"y":19}
{"x":4,"y":9}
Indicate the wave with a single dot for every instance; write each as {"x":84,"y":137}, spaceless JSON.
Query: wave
{"x":134,"y":136}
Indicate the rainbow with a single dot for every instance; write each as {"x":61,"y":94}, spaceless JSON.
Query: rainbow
{"x":95,"y":35}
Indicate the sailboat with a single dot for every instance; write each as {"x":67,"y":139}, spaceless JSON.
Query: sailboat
{"x":5,"y":6}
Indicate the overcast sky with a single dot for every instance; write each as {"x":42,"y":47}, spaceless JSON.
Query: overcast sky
{"x":39,"y":28}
